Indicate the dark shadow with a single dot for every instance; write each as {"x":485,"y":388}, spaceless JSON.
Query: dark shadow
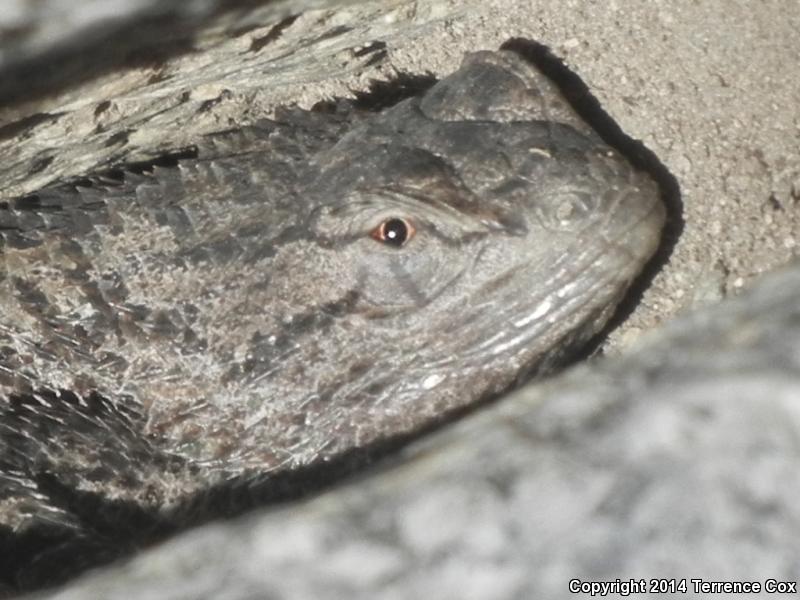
{"x":102,"y":531}
{"x":147,"y":39}
{"x":48,"y":554}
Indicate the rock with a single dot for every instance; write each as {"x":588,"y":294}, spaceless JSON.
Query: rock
{"x":675,"y":461}
{"x":90,"y":87}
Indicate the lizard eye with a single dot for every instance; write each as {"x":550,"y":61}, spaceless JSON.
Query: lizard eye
{"x":393,"y":232}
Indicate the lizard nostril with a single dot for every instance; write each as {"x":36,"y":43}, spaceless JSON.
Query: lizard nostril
{"x":568,"y":210}
{"x":564,"y":211}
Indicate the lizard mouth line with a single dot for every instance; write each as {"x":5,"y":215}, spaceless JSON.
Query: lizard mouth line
{"x":568,"y":296}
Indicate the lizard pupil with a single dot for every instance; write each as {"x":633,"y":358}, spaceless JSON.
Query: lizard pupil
{"x":394,"y":232}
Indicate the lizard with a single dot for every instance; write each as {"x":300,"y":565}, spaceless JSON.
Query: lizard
{"x":302,"y":288}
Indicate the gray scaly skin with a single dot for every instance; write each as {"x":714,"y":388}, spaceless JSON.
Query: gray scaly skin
{"x":244,"y":312}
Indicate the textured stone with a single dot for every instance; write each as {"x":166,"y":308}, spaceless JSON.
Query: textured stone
{"x":677,"y":460}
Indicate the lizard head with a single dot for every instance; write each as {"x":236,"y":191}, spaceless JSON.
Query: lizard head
{"x":298,"y":291}
{"x":456,"y":242}
{"x":328,"y":282}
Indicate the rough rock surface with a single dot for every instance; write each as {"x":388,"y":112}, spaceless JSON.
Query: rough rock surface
{"x":676,"y":461}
